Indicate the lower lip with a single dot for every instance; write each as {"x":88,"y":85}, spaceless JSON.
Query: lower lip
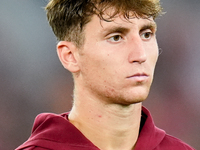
{"x":139,"y":78}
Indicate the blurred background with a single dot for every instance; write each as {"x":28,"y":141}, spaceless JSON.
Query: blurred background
{"x":33,"y":81}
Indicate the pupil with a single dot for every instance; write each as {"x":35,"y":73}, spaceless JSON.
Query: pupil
{"x":147,"y":35}
{"x":116,"y":38}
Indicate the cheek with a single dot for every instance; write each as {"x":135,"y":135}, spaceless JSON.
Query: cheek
{"x":153,"y":55}
{"x":152,"y":60}
{"x":92,"y":69}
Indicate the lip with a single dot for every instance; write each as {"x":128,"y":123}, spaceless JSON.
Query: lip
{"x":139,"y":77}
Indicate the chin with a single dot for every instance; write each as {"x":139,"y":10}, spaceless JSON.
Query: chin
{"x":135,"y":100}
{"x":127,"y":96}
{"x":130,"y":99}
{"x":136,"y":97}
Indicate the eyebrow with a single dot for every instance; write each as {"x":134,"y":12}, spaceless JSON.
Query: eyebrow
{"x":115,"y":29}
{"x":150,"y":25}
{"x":120,"y":29}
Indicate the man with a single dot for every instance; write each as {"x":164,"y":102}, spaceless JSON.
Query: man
{"x":111,"y":50}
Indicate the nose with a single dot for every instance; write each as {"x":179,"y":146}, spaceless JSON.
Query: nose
{"x":137,"y":51}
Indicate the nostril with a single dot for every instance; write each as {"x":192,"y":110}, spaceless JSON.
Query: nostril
{"x":138,"y":58}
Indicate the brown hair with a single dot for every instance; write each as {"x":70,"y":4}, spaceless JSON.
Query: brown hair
{"x":69,"y":17}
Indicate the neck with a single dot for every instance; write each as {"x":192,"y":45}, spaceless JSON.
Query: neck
{"x":108,"y":126}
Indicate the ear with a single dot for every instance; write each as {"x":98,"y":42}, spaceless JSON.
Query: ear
{"x":67,"y":54}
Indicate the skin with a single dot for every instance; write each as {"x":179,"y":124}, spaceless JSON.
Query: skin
{"x":113,"y":72}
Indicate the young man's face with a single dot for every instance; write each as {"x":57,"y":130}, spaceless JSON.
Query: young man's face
{"x":118,"y":58}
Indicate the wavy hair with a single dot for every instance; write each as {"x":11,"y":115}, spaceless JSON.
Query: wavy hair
{"x":69,"y":17}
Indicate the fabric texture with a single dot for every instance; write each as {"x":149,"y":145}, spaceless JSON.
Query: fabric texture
{"x":55,"y":132}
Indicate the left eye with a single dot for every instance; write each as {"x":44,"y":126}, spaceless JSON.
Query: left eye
{"x":147,"y":35}
{"x":115,"y":38}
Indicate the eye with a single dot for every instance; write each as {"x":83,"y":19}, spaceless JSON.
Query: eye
{"x":115,"y":38}
{"x":147,"y":35}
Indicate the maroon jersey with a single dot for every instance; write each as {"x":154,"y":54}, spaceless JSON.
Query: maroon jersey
{"x":55,"y":132}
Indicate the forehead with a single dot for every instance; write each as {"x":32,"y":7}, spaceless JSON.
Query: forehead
{"x":119,"y":21}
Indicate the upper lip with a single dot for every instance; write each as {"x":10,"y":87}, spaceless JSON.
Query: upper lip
{"x":138,"y":75}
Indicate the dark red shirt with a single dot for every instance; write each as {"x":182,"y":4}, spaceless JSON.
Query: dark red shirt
{"x":55,"y":132}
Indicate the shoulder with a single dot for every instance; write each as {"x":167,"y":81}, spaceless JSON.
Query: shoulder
{"x":48,"y":128}
{"x":170,"y":142}
{"x":34,"y":148}
{"x":46,"y":117}
{"x":156,"y":138}
{"x":53,"y":131}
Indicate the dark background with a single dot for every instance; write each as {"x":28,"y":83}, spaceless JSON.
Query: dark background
{"x":33,"y":81}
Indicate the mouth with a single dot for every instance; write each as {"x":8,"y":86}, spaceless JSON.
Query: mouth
{"x":139,"y":77}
